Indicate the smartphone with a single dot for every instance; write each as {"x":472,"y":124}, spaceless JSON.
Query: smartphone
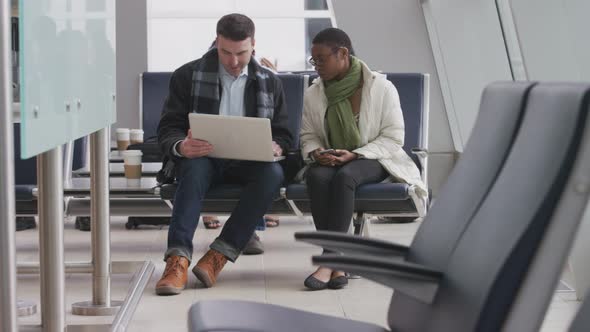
{"x":327,"y":151}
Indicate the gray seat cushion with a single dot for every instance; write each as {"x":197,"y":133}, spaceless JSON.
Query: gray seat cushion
{"x":582,"y":321}
{"x":260,"y":317}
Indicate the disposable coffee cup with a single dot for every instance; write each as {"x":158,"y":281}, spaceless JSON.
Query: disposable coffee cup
{"x":123,"y":136}
{"x":136,"y":136}
{"x":132,"y":163}
{"x":133,"y":183}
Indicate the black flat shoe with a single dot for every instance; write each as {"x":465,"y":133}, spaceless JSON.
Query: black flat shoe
{"x":338,"y":282}
{"x":315,"y":284}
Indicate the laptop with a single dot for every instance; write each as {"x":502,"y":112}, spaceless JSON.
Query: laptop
{"x":235,"y":137}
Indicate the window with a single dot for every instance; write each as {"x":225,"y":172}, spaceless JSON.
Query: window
{"x":316,"y":5}
{"x":312,"y":27}
{"x":180,"y":31}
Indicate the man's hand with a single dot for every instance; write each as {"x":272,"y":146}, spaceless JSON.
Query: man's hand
{"x":267,"y":63}
{"x":343,"y":157}
{"x":276,"y":149}
{"x":194,"y":148}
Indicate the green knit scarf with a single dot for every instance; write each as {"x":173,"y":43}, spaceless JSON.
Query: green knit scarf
{"x":343,"y":131}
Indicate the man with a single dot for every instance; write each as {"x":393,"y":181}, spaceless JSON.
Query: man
{"x":224,"y":81}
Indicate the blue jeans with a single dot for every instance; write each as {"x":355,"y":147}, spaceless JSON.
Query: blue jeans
{"x":261,"y":225}
{"x":261,"y":182}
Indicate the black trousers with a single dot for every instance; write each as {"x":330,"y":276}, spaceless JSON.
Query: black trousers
{"x":332,"y":189}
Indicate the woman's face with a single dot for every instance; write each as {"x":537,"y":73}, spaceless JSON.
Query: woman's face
{"x":329,"y":62}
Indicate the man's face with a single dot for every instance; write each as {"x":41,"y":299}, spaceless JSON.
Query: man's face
{"x":234,"y":55}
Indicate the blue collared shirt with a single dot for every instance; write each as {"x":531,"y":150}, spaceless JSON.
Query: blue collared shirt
{"x":232,"y":92}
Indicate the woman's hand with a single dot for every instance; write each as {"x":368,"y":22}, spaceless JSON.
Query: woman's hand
{"x":334,"y":158}
{"x":324,"y":159}
{"x":342,"y":157}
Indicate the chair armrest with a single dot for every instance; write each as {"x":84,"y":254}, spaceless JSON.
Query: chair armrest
{"x":352,"y":244}
{"x":294,"y":151}
{"x":414,"y":280}
{"x":421,"y":153}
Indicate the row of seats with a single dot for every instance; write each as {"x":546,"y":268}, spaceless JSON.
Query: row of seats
{"x":491,"y":250}
{"x":377,"y":199}
{"x":395,"y":199}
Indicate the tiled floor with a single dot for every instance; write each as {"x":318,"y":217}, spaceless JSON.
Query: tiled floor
{"x":275,"y":277}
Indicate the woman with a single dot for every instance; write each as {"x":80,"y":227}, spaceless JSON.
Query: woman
{"x":352,"y":133}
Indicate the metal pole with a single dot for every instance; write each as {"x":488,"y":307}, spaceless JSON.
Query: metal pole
{"x":7,"y":211}
{"x":51,"y":249}
{"x":138,"y":284}
{"x":101,"y":304}
{"x":117,"y":267}
{"x":99,"y":205}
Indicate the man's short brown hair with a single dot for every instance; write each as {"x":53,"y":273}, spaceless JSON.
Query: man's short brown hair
{"x":236,"y":27}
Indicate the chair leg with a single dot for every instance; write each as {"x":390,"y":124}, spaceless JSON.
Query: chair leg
{"x":295,"y":209}
{"x":83,"y":224}
{"x":361,"y":225}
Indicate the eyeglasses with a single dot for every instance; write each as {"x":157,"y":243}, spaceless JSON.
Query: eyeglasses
{"x":323,"y":58}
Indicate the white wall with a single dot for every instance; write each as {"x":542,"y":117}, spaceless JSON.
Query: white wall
{"x":131,"y":60}
{"x":396,"y":40}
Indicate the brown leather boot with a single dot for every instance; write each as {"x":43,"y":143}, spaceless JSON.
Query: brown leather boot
{"x":174,"y":277}
{"x":209,"y":266}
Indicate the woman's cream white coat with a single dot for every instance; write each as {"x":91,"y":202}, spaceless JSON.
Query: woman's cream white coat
{"x":381,"y":125}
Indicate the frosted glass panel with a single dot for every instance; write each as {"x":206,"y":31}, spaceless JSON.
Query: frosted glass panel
{"x":469,"y":51}
{"x":68,"y":71}
{"x":553,"y":38}
{"x":192,"y":38}
{"x":167,"y":54}
{"x":289,"y":53}
{"x":271,"y":8}
{"x":190,"y":8}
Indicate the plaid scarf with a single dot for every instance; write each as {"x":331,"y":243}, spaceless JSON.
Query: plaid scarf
{"x":206,"y":85}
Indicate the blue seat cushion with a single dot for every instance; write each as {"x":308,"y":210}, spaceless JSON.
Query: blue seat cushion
{"x":24,"y":192}
{"x":369,"y":192}
{"x":218,"y":192}
{"x":293,"y":88}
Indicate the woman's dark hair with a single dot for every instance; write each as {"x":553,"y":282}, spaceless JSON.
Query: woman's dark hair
{"x":334,"y":37}
{"x":236,"y":27}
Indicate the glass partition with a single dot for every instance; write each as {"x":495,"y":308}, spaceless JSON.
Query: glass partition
{"x":67,"y":56}
{"x":284,"y":29}
{"x":470,"y":53}
{"x":553,"y":38}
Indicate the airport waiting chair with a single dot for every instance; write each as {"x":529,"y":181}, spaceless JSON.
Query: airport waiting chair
{"x":499,"y":118}
{"x":25,"y":180}
{"x":390,"y":199}
{"x":153,"y":90}
{"x":581,"y":322}
{"x":393,"y":199}
{"x":534,"y":197}
{"x":25,"y":171}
